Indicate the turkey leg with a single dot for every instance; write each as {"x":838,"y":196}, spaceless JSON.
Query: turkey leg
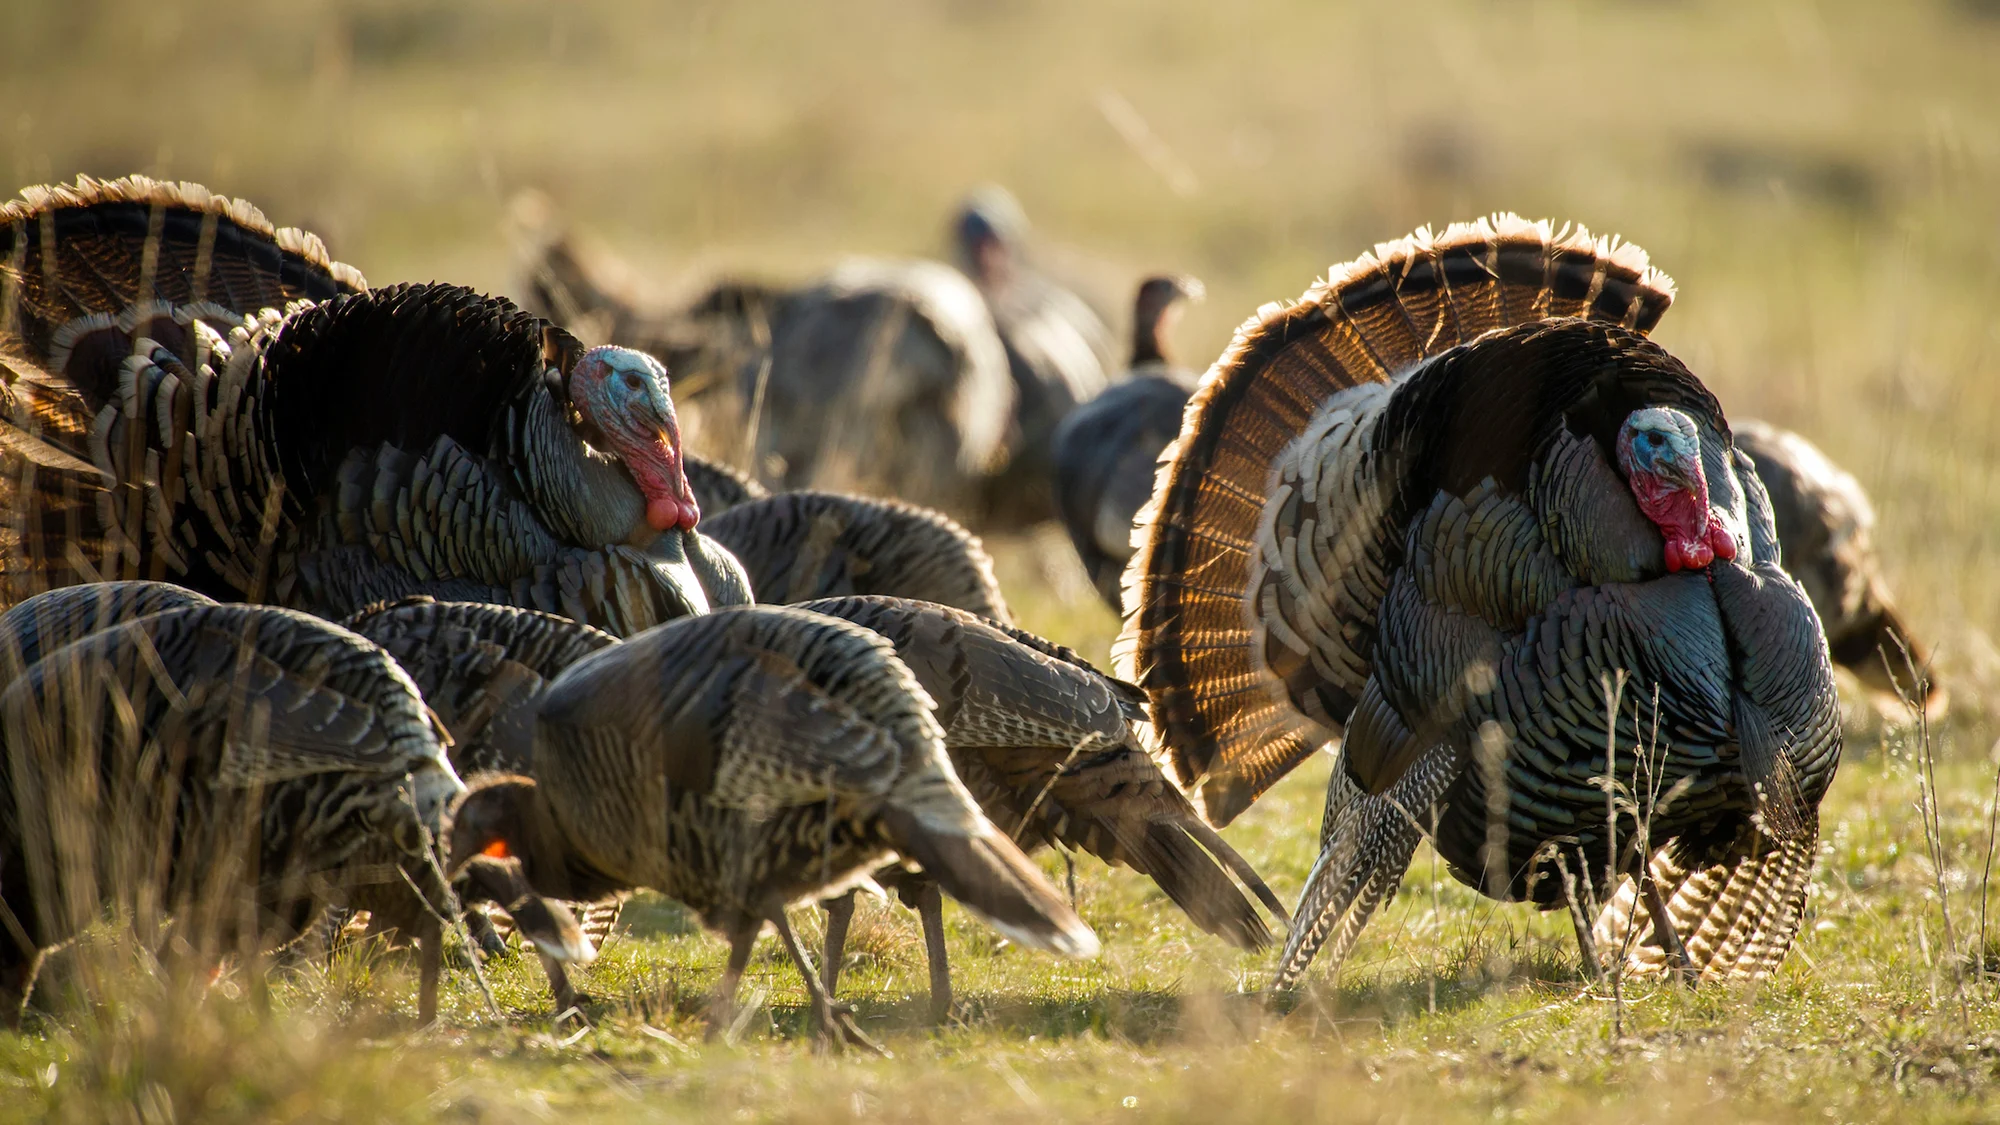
{"x":930,"y":910}
{"x":722,"y":1006}
{"x":835,"y":1023}
{"x":430,"y":936}
{"x":839,"y":915}
{"x":16,"y":981}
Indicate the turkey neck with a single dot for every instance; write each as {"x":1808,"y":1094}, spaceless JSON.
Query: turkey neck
{"x":1147,"y":346}
{"x":585,"y":496}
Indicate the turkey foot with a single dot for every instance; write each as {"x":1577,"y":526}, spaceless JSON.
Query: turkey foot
{"x":834,"y":1023}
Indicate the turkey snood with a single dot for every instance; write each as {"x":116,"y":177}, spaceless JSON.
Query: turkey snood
{"x":1659,"y":452}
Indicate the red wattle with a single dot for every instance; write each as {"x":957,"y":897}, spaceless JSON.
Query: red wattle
{"x":663,"y":513}
{"x":1719,"y":539}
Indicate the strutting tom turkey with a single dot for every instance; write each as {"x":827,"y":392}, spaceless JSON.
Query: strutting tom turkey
{"x":1453,"y":508}
{"x":193,"y":395}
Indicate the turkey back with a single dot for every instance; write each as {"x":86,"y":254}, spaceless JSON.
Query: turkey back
{"x":1228,"y":724}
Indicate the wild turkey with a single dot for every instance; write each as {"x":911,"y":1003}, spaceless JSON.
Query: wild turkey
{"x":797,"y":546}
{"x":174,"y":414}
{"x":882,"y":376}
{"x":1107,"y":450}
{"x":1050,"y":749}
{"x":718,"y":488}
{"x":203,"y":756}
{"x":1058,"y":350}
{"x":744,"y":760}
{"x":1439,"y":507}
{"x":1826,"y":531}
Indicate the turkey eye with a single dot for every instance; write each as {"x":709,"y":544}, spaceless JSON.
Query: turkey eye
{"x":633,"y":382}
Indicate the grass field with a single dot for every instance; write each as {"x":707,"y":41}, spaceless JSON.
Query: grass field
{"x":1823,"y":179}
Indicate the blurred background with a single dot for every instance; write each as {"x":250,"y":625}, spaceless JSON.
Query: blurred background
{"x":1822,"y":179}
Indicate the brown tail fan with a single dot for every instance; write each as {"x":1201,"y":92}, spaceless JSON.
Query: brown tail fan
{"x":99,"y":247}
{"x":1189,"y":638}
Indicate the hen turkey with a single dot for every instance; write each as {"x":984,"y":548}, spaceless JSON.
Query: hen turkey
{"x":195,"y":395}
{"x":148,"y":728}
{"x":1058,"y":350}
{"x":1455,"y":509}
{"x":742,"y":761}
{"x":1050,"y":748}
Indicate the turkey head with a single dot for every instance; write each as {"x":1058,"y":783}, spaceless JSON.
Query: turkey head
{"x":1659,"y":451}
{"x":621,"y":398}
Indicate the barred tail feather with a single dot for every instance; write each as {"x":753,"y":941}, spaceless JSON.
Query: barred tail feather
{"x":103,"y":246}
{"x":1366,"y":843}
{"x":1736,"y":918}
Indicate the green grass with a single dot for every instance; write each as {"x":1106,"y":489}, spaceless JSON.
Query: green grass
{"x":1452,"y":1008}
{"x":1823,"y":179}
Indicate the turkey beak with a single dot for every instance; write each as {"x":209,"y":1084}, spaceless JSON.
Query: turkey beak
{"x":549,"y":926}
{"x":1679,"y":472}
{"x":552,"y":929}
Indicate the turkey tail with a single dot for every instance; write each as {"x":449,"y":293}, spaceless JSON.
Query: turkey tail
{"x":1234,"y":861}
{"x":1181,"y":854}
{"x":1189,"y":640}
{"x":89,"y":273}
{"x":1365,"y":847}
{"x":1192,"y":865}
{"x":76,"y":254}
{"x":1161,"y":836}
{"x":1737,"y":918}
{"x":989,"y":876}
{"x":595,"y":921}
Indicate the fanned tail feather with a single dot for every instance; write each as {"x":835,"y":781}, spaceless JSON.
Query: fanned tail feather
{"x":1365,"y":846}
{"x":1189,"y":639}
